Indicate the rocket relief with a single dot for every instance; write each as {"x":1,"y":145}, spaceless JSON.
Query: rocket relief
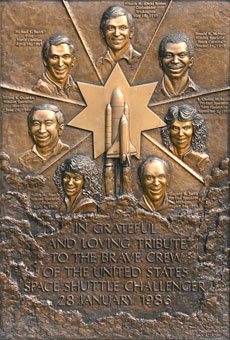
{"x":117,"y":141}
{"x":114,"y":170}
{"x":117,"y":119}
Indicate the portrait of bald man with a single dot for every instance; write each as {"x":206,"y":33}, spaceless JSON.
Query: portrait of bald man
{"x":154,"y":175}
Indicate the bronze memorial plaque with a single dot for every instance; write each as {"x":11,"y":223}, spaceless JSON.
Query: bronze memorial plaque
{"x":114,"y":167}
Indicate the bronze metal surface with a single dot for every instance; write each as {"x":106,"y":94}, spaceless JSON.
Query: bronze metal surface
{"x":114,"y":167}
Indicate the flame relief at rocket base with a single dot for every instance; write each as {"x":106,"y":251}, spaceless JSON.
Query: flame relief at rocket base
{"x":117,"y":142}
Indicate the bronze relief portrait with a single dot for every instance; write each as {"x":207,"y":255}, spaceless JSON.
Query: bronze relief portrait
{"x":77,"y":181}
{"x":154,"y":177}
{"x":114,"y":193}
{"x":185,"y":136}
{"x":176,"y":55}
{"x":58,"y":55}
{"x":45,"y":127}
{"x":117,"y":29}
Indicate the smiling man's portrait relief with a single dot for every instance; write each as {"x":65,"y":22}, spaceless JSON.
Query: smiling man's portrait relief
{"x":45,"y":127}
{"x":176,"y":57}
{"x":153,"y":175}
{"x":117,"y":29}
{"x":58,"y":55}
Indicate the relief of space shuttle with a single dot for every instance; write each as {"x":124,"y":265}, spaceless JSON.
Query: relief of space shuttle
{"x":118,"y":144}
{"x":117,"y":136}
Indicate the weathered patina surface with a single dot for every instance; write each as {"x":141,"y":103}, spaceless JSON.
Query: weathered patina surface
{"x":114,"y":170}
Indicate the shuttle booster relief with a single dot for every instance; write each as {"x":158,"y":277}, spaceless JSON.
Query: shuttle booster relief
{"x":117,"y":142}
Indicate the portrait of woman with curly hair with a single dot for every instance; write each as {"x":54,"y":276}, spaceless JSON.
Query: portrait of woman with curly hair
{"x":185,"y":136}
{"x":77,"y":181}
